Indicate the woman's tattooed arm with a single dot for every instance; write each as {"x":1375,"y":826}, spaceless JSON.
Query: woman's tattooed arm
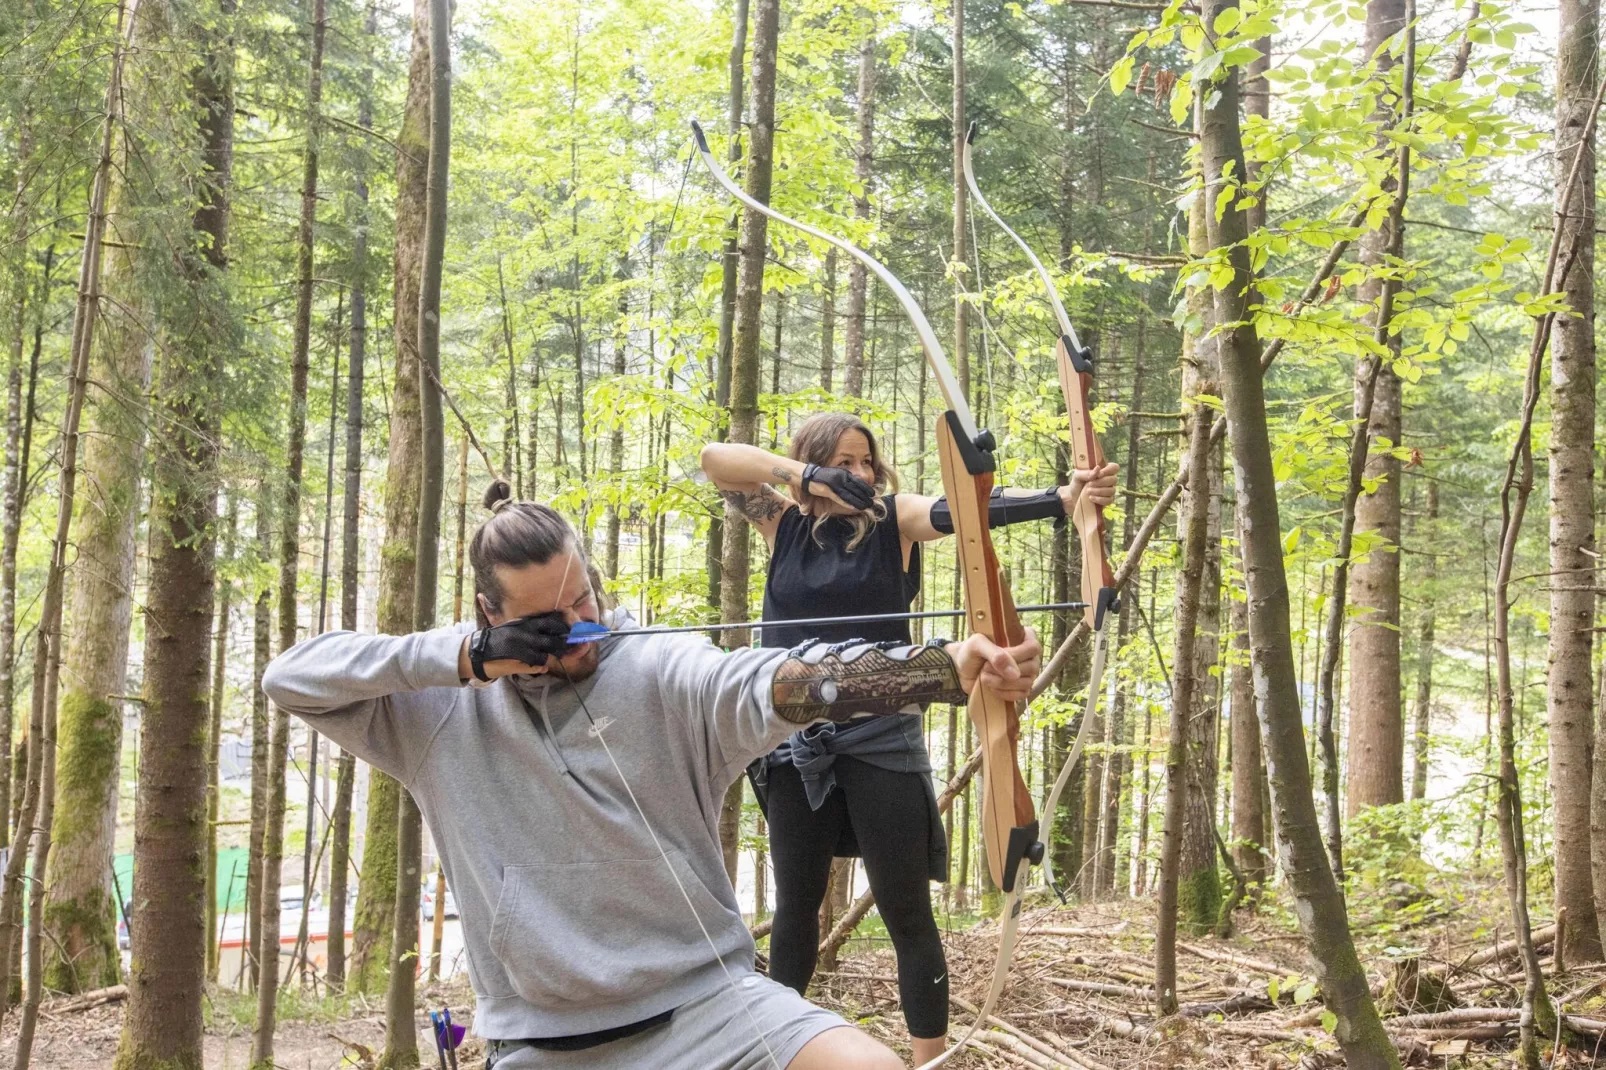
{"x":761,"y":506}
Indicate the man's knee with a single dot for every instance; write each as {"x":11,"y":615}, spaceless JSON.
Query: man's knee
{"x":845,"y":1049}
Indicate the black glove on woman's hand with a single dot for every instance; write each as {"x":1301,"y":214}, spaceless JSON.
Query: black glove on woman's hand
{"x":848,"y":488}
{"x":527,"y":640}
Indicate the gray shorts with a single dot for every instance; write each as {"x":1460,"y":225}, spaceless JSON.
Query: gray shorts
{"x":718,"y":1031}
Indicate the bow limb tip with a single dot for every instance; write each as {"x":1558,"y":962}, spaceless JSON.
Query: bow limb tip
{"x":697,"y":133}
{"x":970,"y":135}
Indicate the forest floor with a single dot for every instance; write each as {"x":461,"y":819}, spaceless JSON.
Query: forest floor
{"x":1442,"y":964}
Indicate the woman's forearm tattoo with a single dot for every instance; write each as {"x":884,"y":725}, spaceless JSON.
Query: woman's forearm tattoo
{"x":760,"y":507}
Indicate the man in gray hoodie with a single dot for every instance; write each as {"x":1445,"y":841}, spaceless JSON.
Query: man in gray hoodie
{"x":574,"y":793}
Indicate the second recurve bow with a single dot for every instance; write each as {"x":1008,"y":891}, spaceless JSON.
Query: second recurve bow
{"x":1075,"y":365}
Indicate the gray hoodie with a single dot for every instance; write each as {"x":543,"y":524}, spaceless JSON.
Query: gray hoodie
{"x":571,"y":920}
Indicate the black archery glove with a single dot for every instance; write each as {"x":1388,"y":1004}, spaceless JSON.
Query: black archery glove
{"x":527,"y":640}
{"x":854,"y":492}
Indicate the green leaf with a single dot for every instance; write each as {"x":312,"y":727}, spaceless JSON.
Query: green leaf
{"x":1121,"y":75}
{"x":1227,"y":21}
{"x":1329,"y":1022}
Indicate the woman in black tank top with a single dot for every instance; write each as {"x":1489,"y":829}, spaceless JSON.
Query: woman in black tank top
{"x":845,"y":542}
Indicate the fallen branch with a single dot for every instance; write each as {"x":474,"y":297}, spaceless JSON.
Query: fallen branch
{"x":1541,"y":937}
{"x":85,"y":1000}
{"x":1248,"y":963}
{"x":1102,"y":989}
{"x":1037,"y":1044}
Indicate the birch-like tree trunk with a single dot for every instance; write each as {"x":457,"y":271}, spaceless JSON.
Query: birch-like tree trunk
{"x":1319,"y":903}
{"x":1569,"y":681}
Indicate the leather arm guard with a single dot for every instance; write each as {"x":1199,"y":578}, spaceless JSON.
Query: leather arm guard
{"x":835,"y":682}
{"x":1006,"y":509}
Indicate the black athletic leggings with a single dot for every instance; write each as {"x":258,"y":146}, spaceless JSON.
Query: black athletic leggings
{"x":890,"y":818}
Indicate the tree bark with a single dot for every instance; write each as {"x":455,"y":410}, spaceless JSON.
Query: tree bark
{"x":289,"y":556}
{"x":1250,"y":842}
{"x":1319,"y":903}
{"x":39,"y":791}
{"x":220,"y":646}
{"x":163,"y":1022}
{"x":1424,"y":652}
{"x":21,"y":227}
{"x":1569,"y":686}
{"x":957,"y":260}
{"x":376,"y":907}
{"x":351,"y":518}
{"x":261,"y":646}
{"x":864,"y":171}
{"x":828,"y":322}
{"x":1197,"y":879}
{"x":79,"y":912}
{"x":747,"y":329}
{"x":1195,"y":527}
{"x":401,"y":1036}
{"x":1377,"y":726}
{"x":714,"y":558}
{"x":1110,"y":863}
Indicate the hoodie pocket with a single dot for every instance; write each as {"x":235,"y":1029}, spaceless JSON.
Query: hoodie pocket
{"x":578,"y":934}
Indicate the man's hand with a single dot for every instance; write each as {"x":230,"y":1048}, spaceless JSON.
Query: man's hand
{"x":1006,"y":671}
{"x":518,"y":646}
{"x":1097,"y":483}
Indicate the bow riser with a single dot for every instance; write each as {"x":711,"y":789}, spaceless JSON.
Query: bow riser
{"x":1076,"y":381}
{"x":1009,"y":819}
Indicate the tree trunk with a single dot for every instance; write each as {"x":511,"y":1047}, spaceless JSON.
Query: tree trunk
{"x":1250,"y":843}
{"x":957,"y":260}
{"x":163,"y":1024}
{"x":1184,"y":683}
{"x":616,"y":437}
{"x":220,"y":646}
{"x":1198,"y":881}
{"x":289,"y":556}
{"x":79,"y":912}
{"x":350,"y":552}
{"x":864,"y":171}
{"x":1424,"y":652}
{"x":747,"y":329}
{"x":401,"y":1035}
{"x":1569,"y":687}
{"x":828,"y":323}
{"x":714,"y":559}
{"x":22,"y":223}
{"x":1376,"y":759}
{"x":1111,"y":864}
{"x":261,"y":645}
{"x":376,"y":907}
{"x":39,"y":791}
{"x":1319,"y":905}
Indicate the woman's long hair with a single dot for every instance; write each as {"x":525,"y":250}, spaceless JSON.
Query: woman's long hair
{"x":815,"y":443}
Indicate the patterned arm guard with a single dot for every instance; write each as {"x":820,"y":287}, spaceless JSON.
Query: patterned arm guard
{"x":838,"y":681}
{"x":1006,"y":509}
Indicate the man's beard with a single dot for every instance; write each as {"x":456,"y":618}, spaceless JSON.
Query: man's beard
{"x":577,"y":671}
